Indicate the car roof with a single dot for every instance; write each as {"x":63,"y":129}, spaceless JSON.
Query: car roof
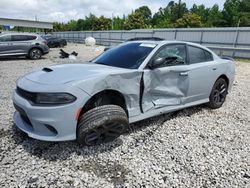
{"x":162,"y":42}
{"x":16,"y":33}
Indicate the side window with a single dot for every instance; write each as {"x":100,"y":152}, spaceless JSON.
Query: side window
{"x":30,"y":37}
{"x":209,"y":56}
{"x":17,"y":38}
{"x":198,"y":55}
{"x":172,"y":54}
{"x":5,"y":38}
{"x":22,"y":37}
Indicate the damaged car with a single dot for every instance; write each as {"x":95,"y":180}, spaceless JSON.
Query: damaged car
{"x":94,"y":102}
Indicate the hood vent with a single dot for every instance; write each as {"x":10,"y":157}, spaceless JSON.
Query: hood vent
{"x":46,"y":69}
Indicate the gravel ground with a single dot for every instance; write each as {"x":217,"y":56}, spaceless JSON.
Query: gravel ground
{"x":195,"y":147}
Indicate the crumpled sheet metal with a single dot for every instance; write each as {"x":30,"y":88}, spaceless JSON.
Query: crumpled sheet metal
{"x":127,"y":83}
{"x":163,"y":88}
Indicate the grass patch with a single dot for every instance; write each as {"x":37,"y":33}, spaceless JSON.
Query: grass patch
{"x":242,"y":60}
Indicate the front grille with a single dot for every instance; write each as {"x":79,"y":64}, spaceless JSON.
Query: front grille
{"x":23,"y":114}
{"x":26,"y":94}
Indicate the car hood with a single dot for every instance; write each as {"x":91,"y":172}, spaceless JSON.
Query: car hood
{"x":62,"y":74}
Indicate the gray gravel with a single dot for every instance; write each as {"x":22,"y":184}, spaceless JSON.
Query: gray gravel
{"x":195,"y":147}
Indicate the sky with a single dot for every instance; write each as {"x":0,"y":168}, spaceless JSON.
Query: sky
{"x":65,"y":10}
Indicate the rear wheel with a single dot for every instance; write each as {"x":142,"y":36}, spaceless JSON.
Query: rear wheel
{"x":218,"y":94}
{"x":101,"y":124}
{"x":35,"y":53}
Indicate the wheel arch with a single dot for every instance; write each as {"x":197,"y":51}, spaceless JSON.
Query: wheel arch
{"x":35,"y":47}
{"x":107,"y":96}
{"x":225,"y":78}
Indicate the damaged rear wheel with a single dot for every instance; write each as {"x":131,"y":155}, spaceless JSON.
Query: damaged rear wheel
{"x":101,"y":124}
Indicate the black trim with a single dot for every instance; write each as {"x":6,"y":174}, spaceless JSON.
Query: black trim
{"x":141,"y":92}
{"x":22,"y":114}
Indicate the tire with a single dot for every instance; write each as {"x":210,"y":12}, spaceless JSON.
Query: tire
{"x":218,"y":94}
{"x":101,"y":124}
{"x":35,"y":53}
{"x":61,"y":45}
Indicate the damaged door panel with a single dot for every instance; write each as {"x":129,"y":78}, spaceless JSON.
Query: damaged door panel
{"x":166,"y":81}
{"x":165,"y":87}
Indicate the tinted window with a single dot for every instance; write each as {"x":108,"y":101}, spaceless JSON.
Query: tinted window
{"x":129,"y":55}
{"x":197,"y":55}
{"x":174,"y":54}
{"x":22,"y":37}
{"x":5,"y":38}
{"x":208,"y":56}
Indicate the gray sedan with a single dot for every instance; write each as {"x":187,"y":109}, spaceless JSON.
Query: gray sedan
{"x":94,"y":102}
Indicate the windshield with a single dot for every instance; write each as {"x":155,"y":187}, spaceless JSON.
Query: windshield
{"x":129,"y":56}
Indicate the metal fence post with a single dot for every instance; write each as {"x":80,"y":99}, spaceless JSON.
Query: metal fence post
{"x":153,"y":33}
{"x":109,"y":38}
{"x":175,"y":34}
{"x":201,"y":39}
{"x":236,"y":41}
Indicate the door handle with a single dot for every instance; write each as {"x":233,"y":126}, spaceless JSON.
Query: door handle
{"x":183,"y":73}
{"x":214,"y":68}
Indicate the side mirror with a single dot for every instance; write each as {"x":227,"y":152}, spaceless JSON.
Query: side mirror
{"x":156,"y":63}
{"x":106,"y":49}
{"x":161,"y":61}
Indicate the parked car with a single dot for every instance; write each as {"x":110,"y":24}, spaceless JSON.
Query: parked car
{"x":23,"y":44}
{"x":94,"y":102}
{"x":54,"y":42}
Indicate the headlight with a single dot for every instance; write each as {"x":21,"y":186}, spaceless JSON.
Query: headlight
{"x":54,"y":98}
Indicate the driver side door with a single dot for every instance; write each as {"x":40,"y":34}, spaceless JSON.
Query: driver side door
{"x":166,"y":84}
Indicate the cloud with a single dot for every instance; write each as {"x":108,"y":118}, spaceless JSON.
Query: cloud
{"x":64,"y":10}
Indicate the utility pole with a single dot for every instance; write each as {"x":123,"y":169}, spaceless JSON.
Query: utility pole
{"x":112,"y":21}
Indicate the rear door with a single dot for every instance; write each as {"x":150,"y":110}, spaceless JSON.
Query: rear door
{"x":5,"y":41}
{"x":167,"y":85}
{"x":202,"y":73}
{"x":21,"y":43}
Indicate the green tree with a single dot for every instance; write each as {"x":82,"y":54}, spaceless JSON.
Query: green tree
{"x":118,"y":23}
{"x":202,"y":11}
{"x":57,"y":26}
{"x":145,"y":12}
{"x":245,"y":19}
{"x":245,"y":13}
{"x":72,"y":25}
{"x":134,"y":21}
{"x":215,"y":17}
{"x":161,"y":19}
{"x":177,"y":10}
{"x":189,"y":20}
{"x":102,"y":23}
{"x":231,"y":12}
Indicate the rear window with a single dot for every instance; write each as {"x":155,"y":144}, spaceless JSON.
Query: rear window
{"x":129,"y":55}
{"x":22,"y":37}
{"x":198,"y":55}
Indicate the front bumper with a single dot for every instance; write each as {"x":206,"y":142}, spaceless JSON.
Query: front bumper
{"x":53,"y":123}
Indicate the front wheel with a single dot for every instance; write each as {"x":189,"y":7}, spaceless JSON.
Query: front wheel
{"x":218,"y":94}
{"x":101,"y":124}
